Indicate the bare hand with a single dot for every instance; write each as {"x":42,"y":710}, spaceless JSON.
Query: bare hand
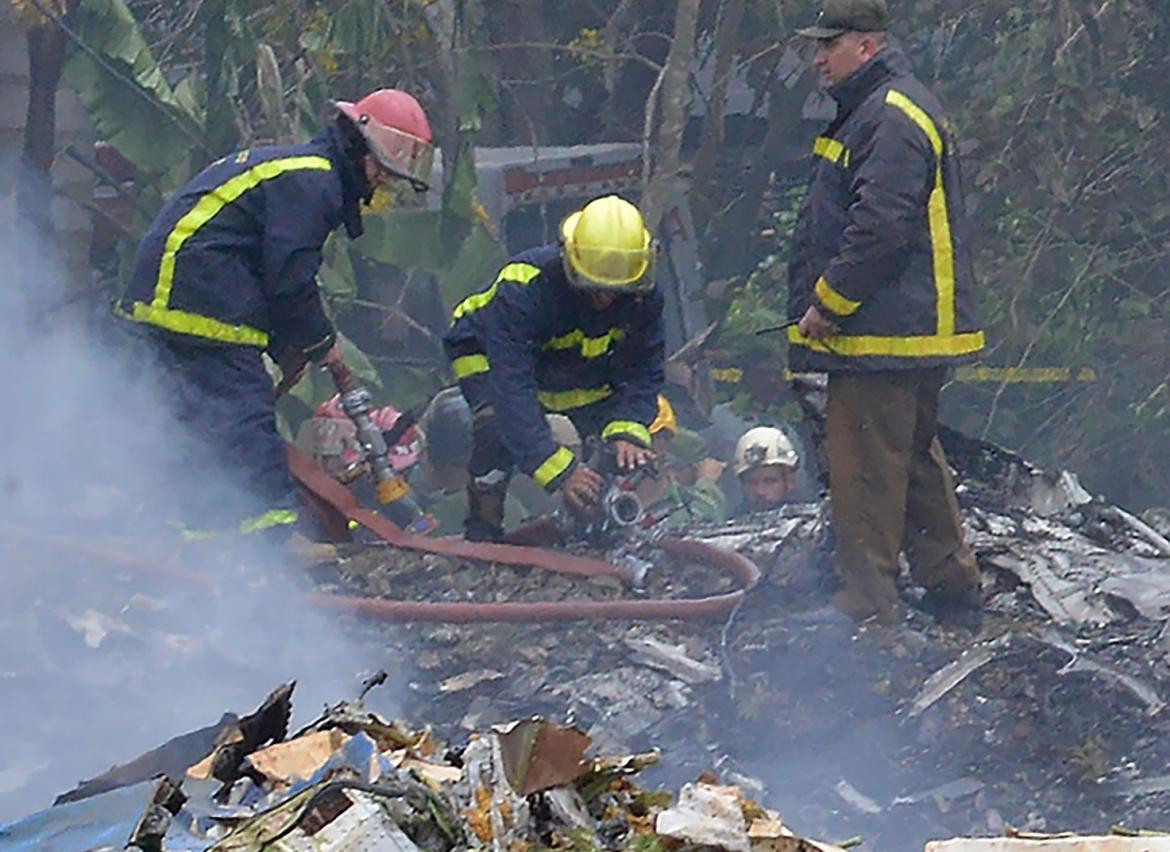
{"x":630,"y":456}
{"x":710,"y":469}
{"x":815,"y":325}
{"x":334,"y":362}
{"x":582,"y":487}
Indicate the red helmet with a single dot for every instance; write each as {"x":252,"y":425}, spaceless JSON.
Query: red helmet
{"x":397,"y":132}
{"x":403,"y":454}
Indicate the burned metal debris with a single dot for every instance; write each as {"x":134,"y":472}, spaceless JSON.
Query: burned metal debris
{"x":1050,"y":719}
{"x":353,"y":779}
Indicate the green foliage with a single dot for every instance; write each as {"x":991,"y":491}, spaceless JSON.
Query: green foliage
{"x":138,"y":112}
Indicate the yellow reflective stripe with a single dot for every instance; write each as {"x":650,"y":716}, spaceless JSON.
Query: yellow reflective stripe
{"x":591,"y":347}
{"x":553,"y":466}
{"x":470,"y":365}
{"x":921,"y":346}
{"x":627,"y":427}
{"x":159,"y":312}
{"x":940,"y":226}
{"x":271,"y":518}
{"x":832,"y":150}
{"x":184,"y":322}
{"x":517,"y":273}
{"x":209,"y":206}
{"x":1019,"y":375}
{"x":727,"y":375}
{"x":839,"y":304}
{"x":579,"y":398}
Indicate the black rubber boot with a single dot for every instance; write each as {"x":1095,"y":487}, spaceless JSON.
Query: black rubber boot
{"x":485,"y":511}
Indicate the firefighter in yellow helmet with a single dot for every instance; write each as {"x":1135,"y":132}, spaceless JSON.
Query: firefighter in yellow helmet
{"x":575,"y":328}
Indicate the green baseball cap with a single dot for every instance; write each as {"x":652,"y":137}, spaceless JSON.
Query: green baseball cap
{"x":848,"y":16}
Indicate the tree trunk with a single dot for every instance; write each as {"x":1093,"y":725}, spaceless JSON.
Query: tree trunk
{"x":705,"y":198}
{"x":668,"y":140}
{"x":46,"y":58}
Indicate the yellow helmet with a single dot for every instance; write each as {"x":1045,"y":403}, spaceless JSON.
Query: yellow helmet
{"x":607,"y":247}
{"x":665,"y":419}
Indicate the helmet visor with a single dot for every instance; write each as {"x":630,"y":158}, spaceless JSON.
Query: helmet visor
{"x":404,"y":155}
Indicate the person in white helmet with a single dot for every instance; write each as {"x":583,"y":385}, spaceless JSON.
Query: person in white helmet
{"x":767,"y":466}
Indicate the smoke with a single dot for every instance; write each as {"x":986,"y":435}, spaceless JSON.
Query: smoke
{"x":114,"y":635}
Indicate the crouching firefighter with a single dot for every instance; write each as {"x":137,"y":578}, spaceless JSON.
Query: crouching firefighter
{"x":573,"y":328}
{"x":227,"y":271}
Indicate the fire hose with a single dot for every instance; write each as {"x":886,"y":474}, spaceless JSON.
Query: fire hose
{"x":341,"y":501}
{"x":336,"y":496}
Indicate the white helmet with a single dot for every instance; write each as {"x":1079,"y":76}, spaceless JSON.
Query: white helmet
{"x":764,"y":445}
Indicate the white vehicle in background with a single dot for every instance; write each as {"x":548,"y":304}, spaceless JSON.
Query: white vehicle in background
{"x":528,"y":191}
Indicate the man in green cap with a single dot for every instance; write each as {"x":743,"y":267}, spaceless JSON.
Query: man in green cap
{"x":881,"y":275}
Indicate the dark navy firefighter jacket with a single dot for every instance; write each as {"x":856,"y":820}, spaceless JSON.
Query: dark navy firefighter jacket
{"x":881,"y":244}
{"x":533,"y":343}
{"x":232,"y":258}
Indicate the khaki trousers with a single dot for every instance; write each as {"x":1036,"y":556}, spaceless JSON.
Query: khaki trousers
{"x":892,"y":490}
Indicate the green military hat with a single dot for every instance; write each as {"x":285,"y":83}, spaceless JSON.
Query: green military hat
{"x":687,"y":447}
{"x":848,"y":16}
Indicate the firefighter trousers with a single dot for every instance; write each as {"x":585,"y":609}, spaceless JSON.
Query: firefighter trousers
{"x":232,"y":468}
{"x":891,"y":491}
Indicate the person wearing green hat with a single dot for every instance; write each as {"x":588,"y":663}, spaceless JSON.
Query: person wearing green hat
{"x":687,"y":487}
{"x":881,"y":276}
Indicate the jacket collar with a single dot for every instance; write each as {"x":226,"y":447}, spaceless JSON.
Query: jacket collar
{"x":354,"y":186}
{"x":850,"y":92}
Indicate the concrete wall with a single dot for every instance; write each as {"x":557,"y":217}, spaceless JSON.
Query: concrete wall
{"x":72,"y":222}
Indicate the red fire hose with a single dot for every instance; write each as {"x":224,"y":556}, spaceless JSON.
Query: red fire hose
{"x":327,"y":493}
{"x":331,"y":493}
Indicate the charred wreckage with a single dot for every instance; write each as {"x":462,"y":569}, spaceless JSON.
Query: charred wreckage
{"x":702,"y":657}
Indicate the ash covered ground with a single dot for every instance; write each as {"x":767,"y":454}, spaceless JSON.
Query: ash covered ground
{"x":1050,"y":718}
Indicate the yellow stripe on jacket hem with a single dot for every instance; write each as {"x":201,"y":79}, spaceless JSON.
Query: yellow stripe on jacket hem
{"x":570,"y":399}
{"x":268,"y":520}
{"x":921,"y":346}
{"x":196,"y":325}
{"x":553,"y":466}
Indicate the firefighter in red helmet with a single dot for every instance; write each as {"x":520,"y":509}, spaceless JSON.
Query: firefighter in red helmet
{"x":227,"y":271}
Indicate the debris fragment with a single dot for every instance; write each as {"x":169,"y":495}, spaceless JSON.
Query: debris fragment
{"x":467,"y":680}
{"x":949,"y":792}
{"x":1051,"y":844}
{"x":538,"y":754}
{"x":706,"y":815}
{"x":953,"y":673}
{"x":672,"y":659}
{"x":855,"y":798}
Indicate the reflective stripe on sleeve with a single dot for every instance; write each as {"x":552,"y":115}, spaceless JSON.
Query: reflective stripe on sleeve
{"x":553,"y":466}
{"x":832,"y":150}
{"x":591,"y":347}
{"x":841,"y":305}
{"x":517,"y":273}
{"x":627,"y":428}
{"x":470,"y":365}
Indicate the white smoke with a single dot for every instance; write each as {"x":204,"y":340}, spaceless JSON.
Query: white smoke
{"x":104,"y":657}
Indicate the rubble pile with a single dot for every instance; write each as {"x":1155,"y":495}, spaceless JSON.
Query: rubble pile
{"x":1051,"y":719}
{"x":353,"y":779}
